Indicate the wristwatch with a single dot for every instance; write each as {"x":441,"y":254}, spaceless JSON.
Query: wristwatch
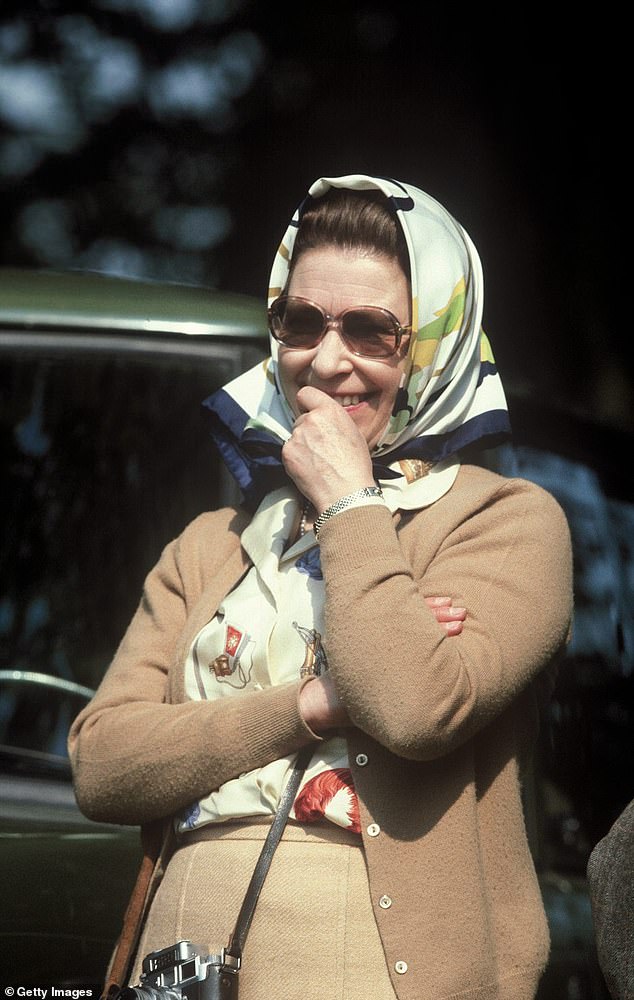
{"x":373,"y":494}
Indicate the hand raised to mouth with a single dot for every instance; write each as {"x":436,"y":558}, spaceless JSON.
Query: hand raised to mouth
{"x":326,"y":455}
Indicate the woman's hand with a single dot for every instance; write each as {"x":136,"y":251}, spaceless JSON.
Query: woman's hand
{"x":319,"y":703}
{"x":321,"y":707}
{"x":446,"y":615}
{"x":326,"y":455}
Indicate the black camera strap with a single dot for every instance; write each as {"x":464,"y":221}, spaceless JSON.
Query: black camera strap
{"x":234,"y":949}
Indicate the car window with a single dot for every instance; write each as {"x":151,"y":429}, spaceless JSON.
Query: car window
{"x":106,"y":456}
{"x":36,"y":711}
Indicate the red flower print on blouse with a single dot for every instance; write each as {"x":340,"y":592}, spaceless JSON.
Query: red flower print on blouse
{"x":313,"y":799}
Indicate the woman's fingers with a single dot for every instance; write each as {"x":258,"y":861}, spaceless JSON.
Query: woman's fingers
{"x":450,"y":617}
{"x":451,"y":628}
{"x":326,"y":455}
{"x":438,"y":602}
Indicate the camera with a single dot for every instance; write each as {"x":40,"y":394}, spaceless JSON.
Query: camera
{"x":184,"y":972}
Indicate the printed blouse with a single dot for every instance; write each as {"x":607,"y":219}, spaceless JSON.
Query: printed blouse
{"x":267,"y":631}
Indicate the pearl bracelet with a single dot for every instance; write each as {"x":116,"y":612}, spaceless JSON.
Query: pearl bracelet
{"x":367,"y":496}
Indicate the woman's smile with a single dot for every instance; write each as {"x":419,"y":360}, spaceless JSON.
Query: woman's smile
{"x":349,"y":401}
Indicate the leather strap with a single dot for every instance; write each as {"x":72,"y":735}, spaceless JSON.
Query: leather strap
{"x":243,"y":923}
{"x":152,"y":839}
{"x":121,"y":964}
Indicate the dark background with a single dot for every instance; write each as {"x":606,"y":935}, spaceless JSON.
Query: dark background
{"x":174,"y":138}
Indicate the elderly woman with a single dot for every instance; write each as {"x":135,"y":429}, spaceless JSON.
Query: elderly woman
{"x":329,"y":610}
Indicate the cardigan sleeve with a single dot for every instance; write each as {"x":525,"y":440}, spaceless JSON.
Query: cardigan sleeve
{"x":135,"y":756}
{"x":504,"y":555}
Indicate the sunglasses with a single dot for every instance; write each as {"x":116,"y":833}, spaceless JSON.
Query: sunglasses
{"x":368,"y":331}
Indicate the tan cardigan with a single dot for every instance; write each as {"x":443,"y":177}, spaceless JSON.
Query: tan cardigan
{"x":443,"y":725}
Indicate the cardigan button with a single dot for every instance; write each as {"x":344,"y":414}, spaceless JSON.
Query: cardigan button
{"x":401,"y":968}
{"x":385,"y":902}
{"x":361,"y":759}
{"x":373,"y":830}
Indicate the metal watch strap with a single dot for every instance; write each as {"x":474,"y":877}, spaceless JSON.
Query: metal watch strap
{"x":352,"y":500}
{"x":243,"y":923}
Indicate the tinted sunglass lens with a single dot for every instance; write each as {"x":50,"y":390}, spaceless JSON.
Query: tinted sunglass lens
{"x":370,"y":332}
{"x":300,"y":324}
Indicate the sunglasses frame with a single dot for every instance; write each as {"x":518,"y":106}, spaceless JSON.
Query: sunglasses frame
{"x":336,"y":322}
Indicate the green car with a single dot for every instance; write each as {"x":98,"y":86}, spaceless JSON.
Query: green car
{"x":106,"y":457}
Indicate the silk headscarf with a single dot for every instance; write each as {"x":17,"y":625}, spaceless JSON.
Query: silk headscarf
{"x":450,"y":396}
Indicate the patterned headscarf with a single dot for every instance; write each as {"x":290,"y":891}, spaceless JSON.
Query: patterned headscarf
{"x":450,"y":395}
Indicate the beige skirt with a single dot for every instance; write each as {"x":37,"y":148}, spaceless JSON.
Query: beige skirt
{"x":313,"y":936}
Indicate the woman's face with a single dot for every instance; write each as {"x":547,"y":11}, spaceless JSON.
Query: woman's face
{"x":337,"y":279}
